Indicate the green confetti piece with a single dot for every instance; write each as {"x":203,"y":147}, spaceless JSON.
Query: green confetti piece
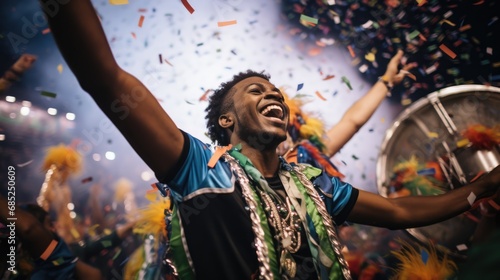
{"x":48,"y":94}
{"x":347,"y":82}
{"x":309,"y":19}
{"x":58,"y":261}
{"x":117,"y":254}
{"x":106,"y":243}
{"x":414,"y":34}
{"x":485,"y":62}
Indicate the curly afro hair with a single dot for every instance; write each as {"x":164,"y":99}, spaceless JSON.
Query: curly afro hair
{"x":219,"y":104}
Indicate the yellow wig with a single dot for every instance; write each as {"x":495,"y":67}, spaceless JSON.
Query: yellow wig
{"x":419,"y":263}
{"x":62,"y":156}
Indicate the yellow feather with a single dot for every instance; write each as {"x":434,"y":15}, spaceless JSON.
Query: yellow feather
{"x":151,"y":218}
{"x":312,"y":127}
{"x":63,"y":157}
{"x":134,"y":264}
{"x":412,"y":266}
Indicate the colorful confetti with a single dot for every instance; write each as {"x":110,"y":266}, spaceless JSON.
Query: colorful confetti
{"x":309,"y":20}
{"x":226,"y":23}
{"x":346,"y":82}
{"x":187,"y":6}
{"x":141,"y":21}
{"x":320,"y":96}
{"x":118,"y":2}
{"x":48,"y":94}
{"x":300,"y":86}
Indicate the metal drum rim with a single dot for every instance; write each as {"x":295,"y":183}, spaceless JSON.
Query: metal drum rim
{"x":381,"y":160}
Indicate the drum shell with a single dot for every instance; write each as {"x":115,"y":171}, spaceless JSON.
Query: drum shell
{"x":423,"y":131}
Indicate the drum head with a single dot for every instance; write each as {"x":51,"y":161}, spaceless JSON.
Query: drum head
{"x":427,"y":137}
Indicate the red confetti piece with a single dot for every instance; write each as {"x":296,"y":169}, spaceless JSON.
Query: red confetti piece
{"x":141,"y":21}
{"x":447,"y":51}
{"x":320,"y":96}
{"x":205,"y":95}
{"x":314,"y":51}
{"x":133,"y":35}
{"x":351,"y":51}
{"x":187,"y":6}
{"x":226,"y":23}
{"x":46,"y":31}
{"x":168,"y":62}
{"x":328,"y":77}
{"x":142,"y":10}
{"x":464,"y":28}
{"x":219,"y":151}
{"x":86,"y":180}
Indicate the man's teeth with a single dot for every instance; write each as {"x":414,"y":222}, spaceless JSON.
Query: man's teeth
{"x":269,"y":108}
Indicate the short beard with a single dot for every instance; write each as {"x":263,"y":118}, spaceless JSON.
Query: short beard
{"x":260,"y":140}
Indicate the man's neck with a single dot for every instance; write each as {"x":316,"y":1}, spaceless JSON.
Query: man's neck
{"x":267,"y":161}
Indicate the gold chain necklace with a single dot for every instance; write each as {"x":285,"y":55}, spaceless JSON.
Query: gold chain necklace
{"x":287,"y":226}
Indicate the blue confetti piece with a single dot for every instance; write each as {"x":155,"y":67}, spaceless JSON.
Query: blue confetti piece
{"x":427,"y":171}
{"x":425,"y":255}
{"x":300,"y":86}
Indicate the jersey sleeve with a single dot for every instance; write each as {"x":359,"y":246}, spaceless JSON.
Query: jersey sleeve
{"x":339,"y":196}
{"x":192,"y":174}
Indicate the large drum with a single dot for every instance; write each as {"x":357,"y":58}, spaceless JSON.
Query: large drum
{"x":425,"y":152}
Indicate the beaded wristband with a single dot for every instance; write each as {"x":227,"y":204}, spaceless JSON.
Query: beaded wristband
{"x":386,"y":82}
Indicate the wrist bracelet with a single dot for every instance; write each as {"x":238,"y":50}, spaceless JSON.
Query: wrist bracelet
{"x":386,"y":82}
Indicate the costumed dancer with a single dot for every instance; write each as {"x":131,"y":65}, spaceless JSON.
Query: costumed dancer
{"x":308,"y":142}
{"x":59,"y":164}
{"x":124,"y":196}
{"x":15,"y":72}
{"x":151,"y":260}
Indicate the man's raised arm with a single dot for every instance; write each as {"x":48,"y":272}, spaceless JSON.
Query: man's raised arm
{"x":122,"y":97}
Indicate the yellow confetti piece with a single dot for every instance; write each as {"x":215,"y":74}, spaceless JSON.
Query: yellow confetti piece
{"x":118,"y":2}
{"x":431,"y":134}
{"x":382,"y":120}
{"x":421,"y":2}
{"x":405,"y":101}
{"x":226,"y":23}
{"x":447,"y":21}
{"x":60,"y":68}
{"x":92,"y":230}
{"x":75,"y":233}
{"x":370,"y":57}
{"x":462,"y":143}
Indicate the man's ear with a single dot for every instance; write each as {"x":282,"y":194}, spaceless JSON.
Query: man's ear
{"x":226,"y":120}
